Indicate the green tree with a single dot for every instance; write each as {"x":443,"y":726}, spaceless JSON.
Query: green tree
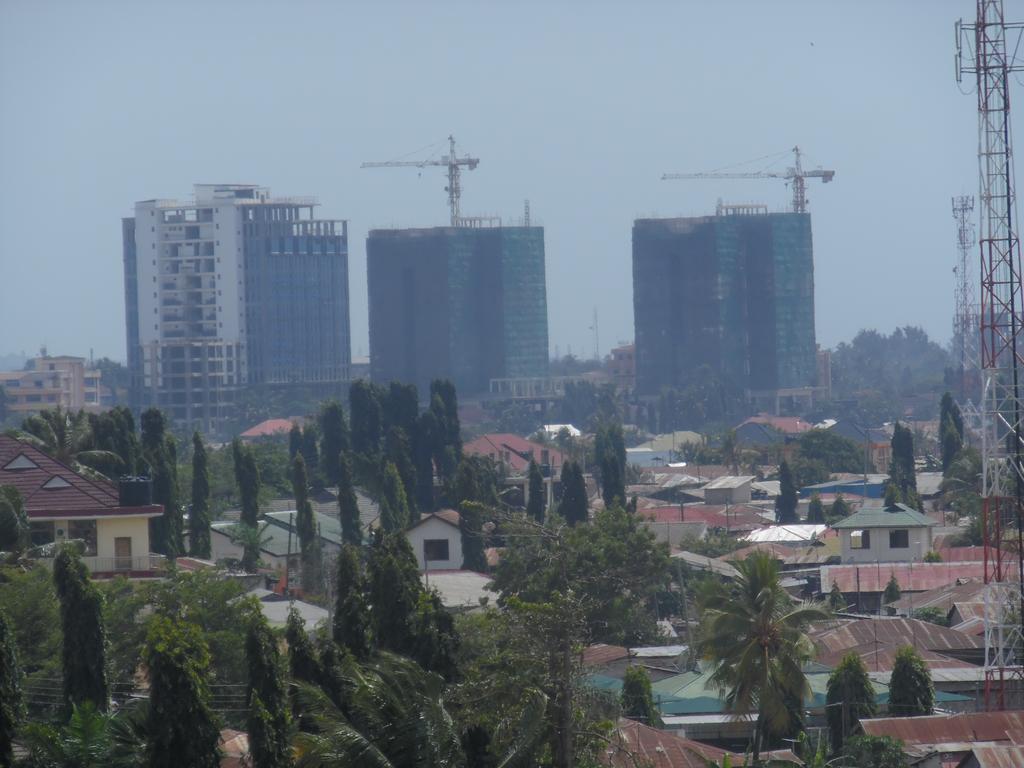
{"x":754,"y":634}
{"x":393,"y":585}
{"x":294,"y":440}
{"x":785,"y":504}
{"x":14,"y":525}
{"x":402,"y":407}
{"x":348,"y":505}
{"x":247,"y":477}
{"x":574,"y":505}
{"x":535,"y":493}
{"x":471,"y":521}
{"x":637,"y":699}
{"x":835,"y":452}
{"x":29,"y":599}
{"x":305,"y":527}
{"x":875,"y":752}
{"x":181,"y":727}
{"x":423,"y":441}
{"x":11,"y":708}
{"x":310,"y":451}
{"x":334,"y":440}
{"x":268,"y":721}
{"x":901,"y":468}
{"x":394,"y":506}
{"x":951,"y":431}
{"x":303,"y":664}
{"x":114,"y":431}
{"x":159,"y":451}
{"x":445,"y":390}
{"x":83,"y":652}
{"x":90,"y":739}
{"x":911,"y":691}
{"x":850,"y":696}
{"x":816,"y":511}
{"x":836,"y":599}
{"x":892,"y":591}
{"x":66,"y":436}
{"x":610,"y":451}
{"x":365,"y":411}
{"x":199,"y":516}
{"x":839,"y":509}
{"x":351,"y":624}
{"x":399,"y":453}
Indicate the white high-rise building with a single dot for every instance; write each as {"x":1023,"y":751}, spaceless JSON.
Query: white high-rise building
{"x":232,"y":289}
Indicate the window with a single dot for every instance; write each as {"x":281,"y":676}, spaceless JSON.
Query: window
{"x":899,"y":539}
{"x":41,"y":533}
{"x":86,"y":531}
{"x":435,"y":550}
{"x":860,"y":540}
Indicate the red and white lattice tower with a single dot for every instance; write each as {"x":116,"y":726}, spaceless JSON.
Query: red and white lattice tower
{"x":982,"y":51}
{"x":965,"y":313}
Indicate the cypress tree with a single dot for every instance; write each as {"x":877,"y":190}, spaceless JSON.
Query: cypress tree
{"x":394,"y":587}
{"x":348,"y":506}
{"x":445,"y":390}
{"x":471,"y":518}
{"x":574,"y":504}
{"x":465,"y":487}
{"x":294,"y":440}
{"x":850,"y":696}
{"x":397,"y":507}
{"x":435,"y":641}
{"x":83,"y":651}
{"x":816,"y":511}
{"x":365,"y":411}
{"x":610,"y":448}
{"x":399,"y":452}
{"x":334,"y":440}
{"x":911,"y":692}
{"x":351,"y":627}
{"x":785,"y":504}
{"x":637,"y":700}
{"x":199,"y":517}
{"x":535,"y":495}
{"x":181,"y":729}
{"x":11,"y":703}
{"x":159,"y":453}
{"x":950,"y":442}
{"x":310,"y":451}
{"x":839,"y":508}
{"x":901,"y":468}
{"x":402,"y":407}
{"x":305,"y":527}
{"x":247,"y":477}
{"x":302,"y":661}
{"x":268,"y":719}
{"x":892,"y":591}
{"x":423,"y":459}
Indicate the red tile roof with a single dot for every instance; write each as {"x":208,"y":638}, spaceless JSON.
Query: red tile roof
{"x":513,"y":450}
{"x":871,"y":577}
{"x":268,"y":428}
{"x":80,"y":497}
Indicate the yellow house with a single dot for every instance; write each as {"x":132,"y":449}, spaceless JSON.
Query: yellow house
{"x":112,"y":521}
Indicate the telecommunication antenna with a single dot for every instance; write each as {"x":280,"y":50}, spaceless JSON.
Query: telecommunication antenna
{"x":965,"y":313}
{"x":982,"y":51}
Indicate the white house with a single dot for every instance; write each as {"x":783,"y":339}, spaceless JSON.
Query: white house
{"x":437,"y":541}
{"x":728,"y":489}
{"x":893,"y":534}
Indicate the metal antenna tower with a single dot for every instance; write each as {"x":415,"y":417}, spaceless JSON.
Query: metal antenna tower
{"x":965,"y":317}
{"x":454,"y":165}
{"x":982,"y":51}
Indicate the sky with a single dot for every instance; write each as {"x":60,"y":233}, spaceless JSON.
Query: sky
{"x":578,"y":107}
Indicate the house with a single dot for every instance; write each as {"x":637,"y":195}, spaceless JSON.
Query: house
{"x":729,"y":489}
{"x":515,"y":453}
{"x":111,"y":520}
{"x":275,"y":608}
{"x":892,"y":534}
{"x":864,"y":584}
{"x":622,"y":367}
{"x":437,"y":541}
{"x":279,"y":540}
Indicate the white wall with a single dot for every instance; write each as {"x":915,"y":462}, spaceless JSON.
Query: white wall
{"x":436,"y":528}
{"x":919,"y":539}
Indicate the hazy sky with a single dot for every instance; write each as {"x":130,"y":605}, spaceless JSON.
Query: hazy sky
{"x":577,"y":106}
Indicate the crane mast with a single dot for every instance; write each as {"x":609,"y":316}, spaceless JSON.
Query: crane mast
{"x":795,"y":174}
{"x":454,"y":165}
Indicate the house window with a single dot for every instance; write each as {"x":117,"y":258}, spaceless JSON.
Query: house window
{"x":86,"y":531}
{"x":899,"y":539}
{"x":41,"y":533}
{"x":860,"y":540}
{"x":435,"y":550}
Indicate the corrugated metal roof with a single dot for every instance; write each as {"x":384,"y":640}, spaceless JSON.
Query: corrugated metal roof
{"x":881,"y":657}
{"x":997,"y":757}
{"x":944,"y":597}
{"x":782,"y":533}
{"x":893,"y":631}
{"x":634,"y":743}
{"x":658,"y":651}
{"x":729,"y":481}
{"x":916,"y":577}
{"x":948,"y":729}
{"x":968,"y":673}
{"x":599,"y":654}
{"x":704,"y":563}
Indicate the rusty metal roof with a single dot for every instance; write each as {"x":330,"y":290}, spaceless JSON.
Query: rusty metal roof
{"x":634,"y":743}
{"x":998,"y":757}
{"x":916,"y":577}
{"x":599,"y":654}
{"x":881,"y":658}
{"x":892,"y":631}
{"x":930,"y":730}
{"x":944,"y":597}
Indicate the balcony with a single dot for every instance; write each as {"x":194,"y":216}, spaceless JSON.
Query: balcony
{"x":149,"y":566}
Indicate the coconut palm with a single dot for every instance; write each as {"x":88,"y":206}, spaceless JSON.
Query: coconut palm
{"x":66,"y":436}
{"x":91,"y":739}
{"x":753,"y":632}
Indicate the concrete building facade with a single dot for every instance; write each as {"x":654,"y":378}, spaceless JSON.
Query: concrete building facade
{"x":466,"y":304}
{"x":734,"y":292}
{"x":49,"y":382}
{"x":232,"y":289}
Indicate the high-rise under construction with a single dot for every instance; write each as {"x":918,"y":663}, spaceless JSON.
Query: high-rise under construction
{"x":463,"y":303}
{"x":734,"y":292}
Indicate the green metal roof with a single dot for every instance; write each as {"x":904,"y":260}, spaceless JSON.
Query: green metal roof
{"x":895,"y":516}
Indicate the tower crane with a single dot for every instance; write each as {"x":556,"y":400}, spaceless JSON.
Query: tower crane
{"x":453,"y":163}
{"x":796,"y":174}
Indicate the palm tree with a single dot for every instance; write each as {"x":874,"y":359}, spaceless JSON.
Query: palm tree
{"x":753,"y":632}
{"x":251,"y":539}
{"x":67,"y":437}
{"x":91,"y":739}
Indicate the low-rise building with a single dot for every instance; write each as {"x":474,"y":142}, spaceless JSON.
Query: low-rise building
{"x":729,"y":489}
{"x":437,"y":541}
{"x":885,"y":534}
{"x":49,"y":382}
{"x":515,"y":453}
{"x":62,"y":506}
